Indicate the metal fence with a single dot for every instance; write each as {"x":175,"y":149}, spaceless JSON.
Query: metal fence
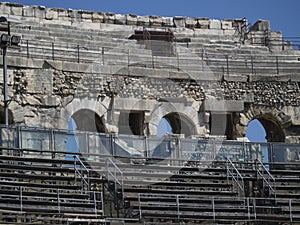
{"x":190,"y":60}
{"x":142,"y":147}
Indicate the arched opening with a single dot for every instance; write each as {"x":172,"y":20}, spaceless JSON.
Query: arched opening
{"x":175,"y":123}
{"x":87,"y":120}
{"x":256,"y":132}
{"x":131,"y":122}
{"x":77,"y":141}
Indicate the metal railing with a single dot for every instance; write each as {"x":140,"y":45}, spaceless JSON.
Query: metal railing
{"x":268,"y":180}
{"x":64,"y":144}
{"x":115,"y":175}
{"x":58,"y":200}
{"x":237,"y":179}
{"x":80,"y":169}
{"x":190,"y":60}
{"x":218,"y":208}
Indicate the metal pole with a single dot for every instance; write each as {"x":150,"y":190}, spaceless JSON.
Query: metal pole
{"x":5,"y":88}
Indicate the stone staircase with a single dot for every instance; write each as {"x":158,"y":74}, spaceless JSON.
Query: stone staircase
{"x":35,"y":189}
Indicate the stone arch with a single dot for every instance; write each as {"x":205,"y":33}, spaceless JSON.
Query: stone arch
{"x":273,"y":120}
{"x":181,"y":118}
{"x":88,"y":120}
{"x":85,"y":107}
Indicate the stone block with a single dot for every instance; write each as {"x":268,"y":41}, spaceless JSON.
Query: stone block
{"x":86,"y":15}
{"x":226,"y":25}
{"x":167,"y":22}
{"x":203,"y":23}
{"x":5,"y":8}
{"x":215,"y":24}
{"x":28,"y":11}
{"x":190,"y":23}
{"x":131,"y":19}
{"x":155,"y":21}
{"x":50,"y":100}
{"x":51,"y":14}
{"x":143,"y":21}
{"x":97,"y":17}
{"x":63,"y":15}
{"x":120,"y":19}
{"x":109,"y":18}
{"x":17,"y":10}
{"x":215,"y":105}
{"x":40,"y":12}
{"x":179,"y":21}
{"x":261,"y":25}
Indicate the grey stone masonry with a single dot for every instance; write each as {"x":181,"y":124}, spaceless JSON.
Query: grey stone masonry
{"x":192,"y":71}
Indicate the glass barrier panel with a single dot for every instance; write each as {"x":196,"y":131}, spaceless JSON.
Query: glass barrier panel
{"x":35,"y":139}
{"x":8,"y":137}
{"x":196,"y":150}
{"x":133,"y":146}
{"x":283,"y":152}
{"x":229,"y":149}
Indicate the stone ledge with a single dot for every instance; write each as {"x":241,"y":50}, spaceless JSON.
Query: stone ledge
{"x":70,"y":15}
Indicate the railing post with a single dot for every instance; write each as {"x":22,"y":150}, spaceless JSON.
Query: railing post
{"x":21,"y":198}
{"x":248,"y":207}
{"x":140,"y":207}
{"x":291,"y":211}
{"x":27,"y":48}
{"x":254,"y":208}
{"x":227,"y":64}
{"x":213,"y":208}
{"x":178,"y":206}
{"x":58,"y":201}
{"x":78,"y":53}
{"x":95,"y":202}
{"x":102,"y":52}
{"x":277,"y":65}
{"x":53,"y":51}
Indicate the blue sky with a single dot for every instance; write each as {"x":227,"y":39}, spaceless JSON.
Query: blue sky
{"x":284,"y":15}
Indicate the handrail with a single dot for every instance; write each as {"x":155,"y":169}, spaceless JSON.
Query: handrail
{"x":269,"y":177}
{"x":80,"y":173}
{"x":58,"y":196}
{"x":115,"y":174}
{"x":252,"y":205}
{"x":231,"y":169}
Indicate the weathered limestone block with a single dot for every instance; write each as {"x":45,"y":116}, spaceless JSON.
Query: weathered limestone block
{"x":179,"y":21}
{"x":167,"y":22}
{"x":120,"y":19}
{"x":226,"y":24}
{"x":28,"y":11}
{"x":50,"y":100}
{"x":203,"y":23}
{"x":86,"y":15}
{"x":215,"y":24}
{"x":97,"y":17}
{"x":5,"y":8}
{"x":16,"y":10}
{"x":155,"y":21}
{"x":190,"y":23}
{"x":31,"y":100}
{"x":40,"y":12}
{"x":51,"y":14}
{"x":109,"y":18}
{"x":63,"y":15}
{"x":143,"y":21}
{"x":261,"y":25}
{"x":131,"y":19}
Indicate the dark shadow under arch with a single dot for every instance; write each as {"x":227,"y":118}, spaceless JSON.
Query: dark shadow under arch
{"x":274,"y":132}
{"x":88,"y":120}
{"x":180,"y":124}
